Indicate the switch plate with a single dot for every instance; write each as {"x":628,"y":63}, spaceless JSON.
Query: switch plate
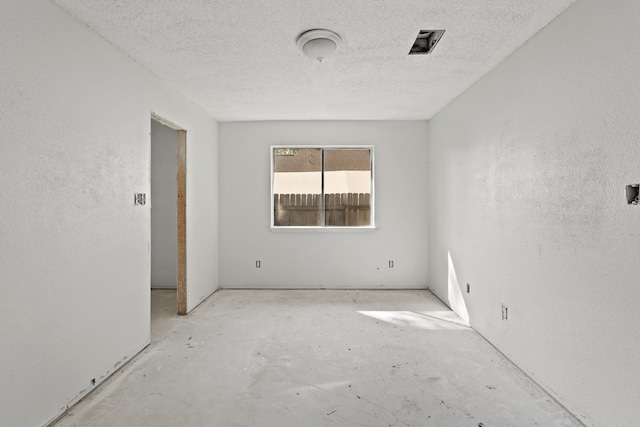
{"x":139,"y":199}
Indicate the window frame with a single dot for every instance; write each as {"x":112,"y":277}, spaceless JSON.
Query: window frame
{"x":371,"y":226}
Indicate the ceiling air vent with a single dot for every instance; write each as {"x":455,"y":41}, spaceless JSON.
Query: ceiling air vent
{"x":425,"y":42}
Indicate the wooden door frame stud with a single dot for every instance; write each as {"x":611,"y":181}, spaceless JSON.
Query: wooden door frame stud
{"x":182,"y":222}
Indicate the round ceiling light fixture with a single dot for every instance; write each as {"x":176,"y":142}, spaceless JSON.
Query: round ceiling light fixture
{"x":318,"y":44}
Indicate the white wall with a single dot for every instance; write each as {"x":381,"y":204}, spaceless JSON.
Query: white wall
{"x":346,"y":259}
{"x":164,"y":212}
{"x":527,"y":194}
{"x":74,"y":251}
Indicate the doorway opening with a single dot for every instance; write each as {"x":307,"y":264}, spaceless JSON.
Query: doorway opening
{"x":168,"y":211}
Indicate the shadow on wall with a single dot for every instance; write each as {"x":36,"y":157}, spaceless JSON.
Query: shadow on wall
{"x":455,"y":298}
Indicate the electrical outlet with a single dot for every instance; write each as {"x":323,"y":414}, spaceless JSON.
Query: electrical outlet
{"x":505,"y":313}
{"x":468,"y":288}
{"x":390,"y":264}
{"x":633,"y":191}
{"x":258,"y":264}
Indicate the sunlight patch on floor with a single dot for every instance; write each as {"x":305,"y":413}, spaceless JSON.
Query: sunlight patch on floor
{"x":430,"y":320}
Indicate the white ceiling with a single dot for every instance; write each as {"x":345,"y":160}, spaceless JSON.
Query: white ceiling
{"x":238,"y":59}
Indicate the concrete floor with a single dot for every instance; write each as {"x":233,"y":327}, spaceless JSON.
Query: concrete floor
{"x":316,"y":358}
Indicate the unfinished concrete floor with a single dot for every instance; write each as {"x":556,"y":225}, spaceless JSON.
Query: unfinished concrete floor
{"x":316,"y":358}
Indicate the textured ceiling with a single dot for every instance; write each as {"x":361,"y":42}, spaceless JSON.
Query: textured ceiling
{"x":238,"y":59}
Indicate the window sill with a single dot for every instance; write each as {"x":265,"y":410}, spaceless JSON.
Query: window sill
{"x":323,"y":229}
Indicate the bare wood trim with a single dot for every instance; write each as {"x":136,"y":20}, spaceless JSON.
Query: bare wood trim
{"x":182,"y":222}
{"x":165,"y":122}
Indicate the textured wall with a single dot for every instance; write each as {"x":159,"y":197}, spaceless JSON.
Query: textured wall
{"x":312,"y":259}
{"x":527,"y":176}
{"x":74,"y":251}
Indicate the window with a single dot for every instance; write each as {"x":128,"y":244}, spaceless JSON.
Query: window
{"x":322,"y":186}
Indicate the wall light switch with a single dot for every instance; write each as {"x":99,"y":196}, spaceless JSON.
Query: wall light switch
{"x":139,"y":199}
